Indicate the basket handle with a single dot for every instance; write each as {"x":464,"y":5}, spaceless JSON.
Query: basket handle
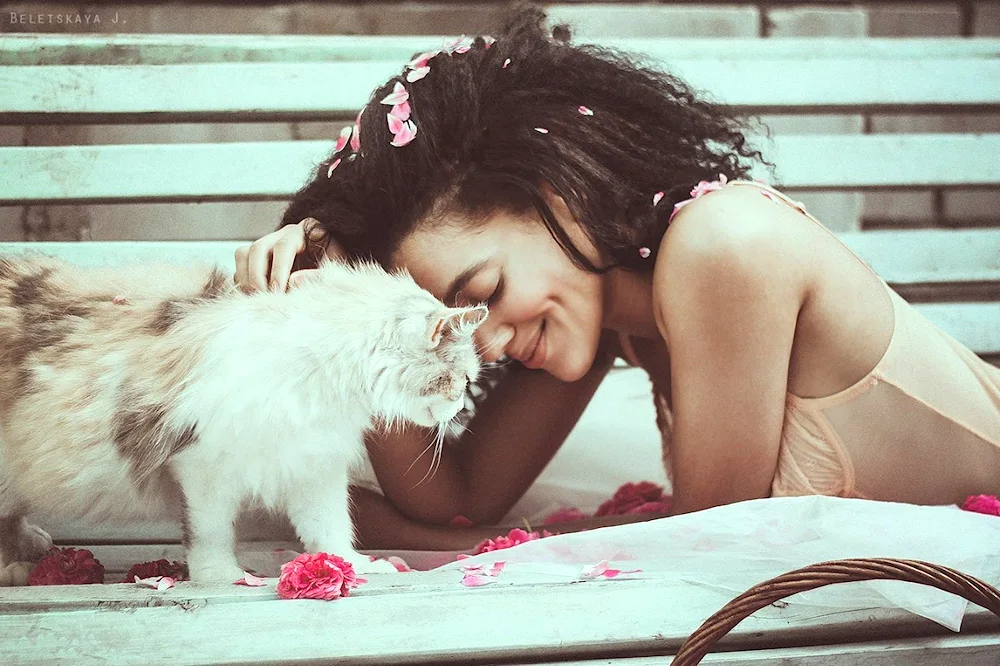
{"x":818,"y":575}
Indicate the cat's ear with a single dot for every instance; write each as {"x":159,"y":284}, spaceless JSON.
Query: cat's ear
{"x":464,"y":320}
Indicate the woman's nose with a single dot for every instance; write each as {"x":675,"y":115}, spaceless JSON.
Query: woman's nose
{"x":492,"y":341}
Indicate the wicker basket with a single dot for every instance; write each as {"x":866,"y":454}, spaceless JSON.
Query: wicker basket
{"x":827,"y":573}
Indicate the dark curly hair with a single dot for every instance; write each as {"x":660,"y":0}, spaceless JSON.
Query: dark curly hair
{"x":477,"y":150}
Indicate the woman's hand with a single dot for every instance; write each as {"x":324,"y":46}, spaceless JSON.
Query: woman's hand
{"x":268,"y":261}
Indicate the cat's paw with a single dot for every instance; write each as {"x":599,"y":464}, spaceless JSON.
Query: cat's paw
{"x":32,"y":543}
{"x":15,"y":574}
{"x":216,"y":573}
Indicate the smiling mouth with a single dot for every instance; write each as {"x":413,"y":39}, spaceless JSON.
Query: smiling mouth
{"x":532,"y":361}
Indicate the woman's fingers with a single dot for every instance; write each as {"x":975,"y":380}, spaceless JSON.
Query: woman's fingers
{"x":240,"y":277}
{"x":258,"y":263}
{"x":282,"y":258}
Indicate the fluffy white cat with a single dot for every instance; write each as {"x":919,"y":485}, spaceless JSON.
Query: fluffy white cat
{"x":139,"y":393}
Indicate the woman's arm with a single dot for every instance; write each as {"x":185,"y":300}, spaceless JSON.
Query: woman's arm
{"x":513,"y":435}
{"x":381,"y":526}
{"x":730,"y":281}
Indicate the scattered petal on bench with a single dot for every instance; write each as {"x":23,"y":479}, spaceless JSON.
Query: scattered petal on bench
{"x":603,"y":570}
{"x":497,"y":568}
{"x":475,"y":580}
{"x":250,"y":580}
{"x":158,"y":583}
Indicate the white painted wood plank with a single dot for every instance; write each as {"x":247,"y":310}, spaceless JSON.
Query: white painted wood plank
{"x":975,"y":325}
{"x":930,"y":255}
{"x":973,"y":650}
{"x":276,"y":169}
{"x":44,"y":49}
{"x":902,"y":257}
{"x":340,"y":88}
{"x":418,"y":617}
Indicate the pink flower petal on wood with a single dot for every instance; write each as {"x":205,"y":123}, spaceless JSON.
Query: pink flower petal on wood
{"x":397,"y":96}
{"x":585,"y":111}
{"x":405,"y":135}
{"x":497,"y":568}
{"x":417,"y":74}
{"x":250,"y":580}
{"x":345,"y":134}
{"x":333,"y":165}
{"x":475,"y":580}
{"x":158,"y":583}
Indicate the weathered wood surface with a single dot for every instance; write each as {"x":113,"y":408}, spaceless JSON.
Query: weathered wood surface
{"x":415,"y":618}
{"x":57,"y":93}
{"x":143,"y":49}
{"x":270,"y":170}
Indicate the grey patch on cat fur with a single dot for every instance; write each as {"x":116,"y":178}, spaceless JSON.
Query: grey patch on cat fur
{"x":167,"y":314}
{"x":143,"y":437}
{"x":170,"y":312}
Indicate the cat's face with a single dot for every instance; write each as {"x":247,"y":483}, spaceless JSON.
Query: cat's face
{"x":432,"y":374}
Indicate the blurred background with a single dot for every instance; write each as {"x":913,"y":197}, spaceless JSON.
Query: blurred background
{"x":775,"y":19}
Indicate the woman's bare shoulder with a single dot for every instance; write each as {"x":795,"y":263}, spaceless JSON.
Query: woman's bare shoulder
{"x":732,"y":237}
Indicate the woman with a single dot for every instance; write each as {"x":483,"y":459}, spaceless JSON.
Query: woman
{"x":554,"y":183}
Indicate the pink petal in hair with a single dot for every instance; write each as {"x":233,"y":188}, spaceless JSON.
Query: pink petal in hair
{"x":489,"y":40}
{"x":395,"y":124}
{"x":405,"y":135}
{"x":541,"y":130}
{"x":421,"y":60}
{"x":333,"y":165}
{"x":356,"y":136}
{"x":657,"y":197}
{"x":505,"y":63}
{"x":417,"y":74}
{"x":345,"y":134}
{"x":397,"y":96}
{"x":585,"y":111}
{"x":644,"y":252}
{"x":401,"y":111}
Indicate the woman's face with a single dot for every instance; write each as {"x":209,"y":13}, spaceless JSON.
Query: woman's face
{"x":544,"y":311}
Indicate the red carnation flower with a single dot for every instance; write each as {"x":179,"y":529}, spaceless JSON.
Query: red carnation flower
{"x":317,"y":576}
{"x":175,"y":570}
{"x":987,"y":504}
{"x":67,"y":566}
{"x":630,"y":499}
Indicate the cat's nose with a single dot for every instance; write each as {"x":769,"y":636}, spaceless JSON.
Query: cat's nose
{"x":493,"y":343}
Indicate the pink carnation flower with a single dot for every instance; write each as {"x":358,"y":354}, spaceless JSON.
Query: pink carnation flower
{"x":317,"y":576}
{"x":987,"y":504}
{"x":515,"y":537}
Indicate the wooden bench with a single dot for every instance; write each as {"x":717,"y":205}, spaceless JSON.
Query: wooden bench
{"x":952,"y":274}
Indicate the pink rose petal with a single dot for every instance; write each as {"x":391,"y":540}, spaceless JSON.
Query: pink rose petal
{"x":399,"y":563}
{"x":497,"y":568}
{"x":395,"y":124}
{"x":356,"y":136}
{"x":505,"y":63}
{"x":489,"y":40}
{"x":472,"y":568}
{"x":475,"y":580}
{"x":401,"y":111}
{"x":417,"y":74}
{"x":462,"y":556}
{"x":657,"y":197}
{"x":585,"y":111}
{"x":603,"y":570}
{"x":541,"y":130}
{"x":644,"y":252}
{"x":405,"y":135}
{"x":345,"y":134}
{"x":250,"y":580}
{"x":333,"y":165}
{"x":119,"y":300}
{"x":397,"y":96}
{"x":158,"y":583}
{"x":421,"y":60}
